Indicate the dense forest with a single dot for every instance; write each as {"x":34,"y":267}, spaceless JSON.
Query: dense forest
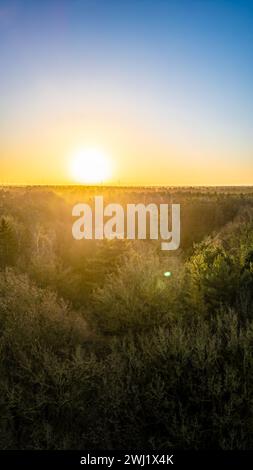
{"x":99,"y":349}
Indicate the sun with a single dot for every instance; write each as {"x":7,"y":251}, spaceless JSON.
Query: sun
{"x":90,"y":166}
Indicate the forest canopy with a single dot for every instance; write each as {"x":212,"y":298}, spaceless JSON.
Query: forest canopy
{"x":101,"y":349}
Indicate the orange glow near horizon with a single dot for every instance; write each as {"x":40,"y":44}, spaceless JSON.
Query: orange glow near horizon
{"x":164,"y":91}
{"x":42,"y":152}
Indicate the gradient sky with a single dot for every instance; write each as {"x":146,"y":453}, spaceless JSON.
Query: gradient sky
{"x":164,"y":87}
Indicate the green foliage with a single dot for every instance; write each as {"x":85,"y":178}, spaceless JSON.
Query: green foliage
{"x":179,"y":386}
{"x":100,"y":350}
{"x":136,"y":297}
{"x":38,"y":336}
{"x":183,"y":387}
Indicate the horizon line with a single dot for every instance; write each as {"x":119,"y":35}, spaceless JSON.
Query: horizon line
{"x":67,"y":185}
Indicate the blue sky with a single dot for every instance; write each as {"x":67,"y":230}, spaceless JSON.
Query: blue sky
{"x":165,"y":86}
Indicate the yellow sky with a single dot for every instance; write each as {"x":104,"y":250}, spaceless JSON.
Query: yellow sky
{"x":164,"y":90}
{"x":44,"y":154}
{"x":39,"y":147}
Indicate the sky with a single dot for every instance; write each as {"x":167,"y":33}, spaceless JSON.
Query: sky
{"x":163,"y":88}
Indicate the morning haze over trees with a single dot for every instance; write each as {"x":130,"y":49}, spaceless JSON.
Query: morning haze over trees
{"x":99,"y":349}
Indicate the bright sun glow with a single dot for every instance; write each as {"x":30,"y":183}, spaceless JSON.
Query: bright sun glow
{"x":90,"y":166}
